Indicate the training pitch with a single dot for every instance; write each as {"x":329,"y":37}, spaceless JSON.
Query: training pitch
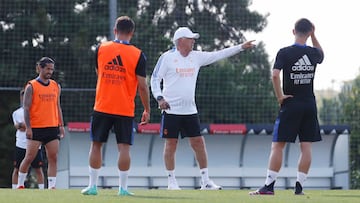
{"x":183,"y":196}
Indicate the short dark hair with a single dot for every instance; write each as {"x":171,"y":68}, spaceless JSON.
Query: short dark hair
{"x":303,"y":26}
{"x":124,"y":25}
{"x":43,"y":61}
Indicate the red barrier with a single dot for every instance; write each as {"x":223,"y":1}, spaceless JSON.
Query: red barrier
{"x":79,"y":126}
{"x":150,"y":128}
{"x":239,"y":129}
{"x":227,"y":129}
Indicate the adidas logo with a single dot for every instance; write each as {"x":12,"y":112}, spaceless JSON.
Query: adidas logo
{"x":116,"y":61}
{"x":303,"y":64}
{"x":115,"y":64}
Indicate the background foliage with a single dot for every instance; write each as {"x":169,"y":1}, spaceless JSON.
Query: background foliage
{"x":236,"y":90}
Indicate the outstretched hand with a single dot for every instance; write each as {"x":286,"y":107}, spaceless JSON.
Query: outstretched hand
{"x":248,"y":44}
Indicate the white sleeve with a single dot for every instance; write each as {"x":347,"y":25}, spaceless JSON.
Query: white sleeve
{"x":157,"y":76}
{"x":14,"y":118}
{"x":211,"y":57}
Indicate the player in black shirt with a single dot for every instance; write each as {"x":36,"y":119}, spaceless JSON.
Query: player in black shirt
{"x":298,"y":113}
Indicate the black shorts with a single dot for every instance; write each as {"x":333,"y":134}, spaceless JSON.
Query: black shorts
{"x":102,"y":123}
{"x":184,"y":125}
{"x":297,"y":117}
{"x":46,"y":135}
{"x":19,"y":155}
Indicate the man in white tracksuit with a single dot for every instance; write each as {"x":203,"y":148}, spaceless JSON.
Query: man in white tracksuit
{"x":178,"y":68}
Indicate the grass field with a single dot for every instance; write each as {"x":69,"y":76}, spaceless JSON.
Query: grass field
{"x":183,"y":196}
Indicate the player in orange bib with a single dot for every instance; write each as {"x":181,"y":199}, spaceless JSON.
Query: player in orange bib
{"x":43,"y":120}
{"x":121,"y":72}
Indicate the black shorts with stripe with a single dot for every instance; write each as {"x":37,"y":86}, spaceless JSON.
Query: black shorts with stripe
{"x":46,"y":135}
{"x":19,"y":155}
{"x":297,"y":118}
{"x":173,"y":126}
{"x":102,"y":123}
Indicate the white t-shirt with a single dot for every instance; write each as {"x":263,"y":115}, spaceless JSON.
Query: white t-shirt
{"x":18,"y":117}
{"x":179,"y":75}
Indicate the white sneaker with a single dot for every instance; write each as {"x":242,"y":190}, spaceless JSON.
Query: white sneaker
{"x":210,"y":185}
{"x":173,"y":185}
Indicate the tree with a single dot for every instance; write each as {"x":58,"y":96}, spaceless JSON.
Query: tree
{"x":242,"y":92}
{"x":350,"y":99}
{"x":331,"y":111}
{"x":7,"y":135}
{"x":238,"y":89}
{"x":69,"y":31}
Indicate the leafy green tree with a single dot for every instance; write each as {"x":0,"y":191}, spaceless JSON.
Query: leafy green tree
{"x":233,"y":90}
{"x":350,"y":97}
{"x":69,"y":30}
{"x":7,"y":135}
{"x":242,"y":94}
{"x":331,"y":112}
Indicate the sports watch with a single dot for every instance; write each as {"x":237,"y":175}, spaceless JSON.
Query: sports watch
{"x":159,"y":98}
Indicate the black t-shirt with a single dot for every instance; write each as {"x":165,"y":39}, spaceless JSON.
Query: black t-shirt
{"x":298,"y":63}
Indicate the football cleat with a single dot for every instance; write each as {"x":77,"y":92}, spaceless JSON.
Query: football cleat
{"x":210,"y":185}
{"x":265,"y":190}
{"x":90,"y":190}
{"x":298,"y":189}
{"x":173,"y":185}
{"x":123,"y":192}
{"x":20,"y":187}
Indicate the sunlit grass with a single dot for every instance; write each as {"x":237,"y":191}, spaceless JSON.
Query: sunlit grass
{"x":183,"y":196}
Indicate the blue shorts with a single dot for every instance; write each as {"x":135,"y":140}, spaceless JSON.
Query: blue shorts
{"x":19,"y":155}
{"x":184,"y":125}
{"x":102,"y":123}
{"x":297,"y":117}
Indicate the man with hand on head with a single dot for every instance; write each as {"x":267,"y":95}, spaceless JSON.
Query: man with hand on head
{"x":298,"y":113}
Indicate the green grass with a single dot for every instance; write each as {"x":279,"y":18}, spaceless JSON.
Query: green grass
{"x":183,"y":196}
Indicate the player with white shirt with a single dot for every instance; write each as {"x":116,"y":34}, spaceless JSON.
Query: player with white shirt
{"x":178,"y":68}
{"x":20,"y":150}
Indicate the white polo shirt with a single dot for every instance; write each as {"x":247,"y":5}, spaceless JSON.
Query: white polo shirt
{"x":179,"y":75}
{"x":18,"y":117}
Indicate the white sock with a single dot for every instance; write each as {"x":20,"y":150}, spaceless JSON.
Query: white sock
{"x":301,"y":177}
{"x":171,"y":174}
{"x":123,"y":179}
{"x":93,"y":176}
{"x":21,"y":179}
{"x":270,"y":177}
{"x":41,"y":186}
{"x":51,"y":182}
{"x":204,"y":173}
{"x":14,"y":186}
